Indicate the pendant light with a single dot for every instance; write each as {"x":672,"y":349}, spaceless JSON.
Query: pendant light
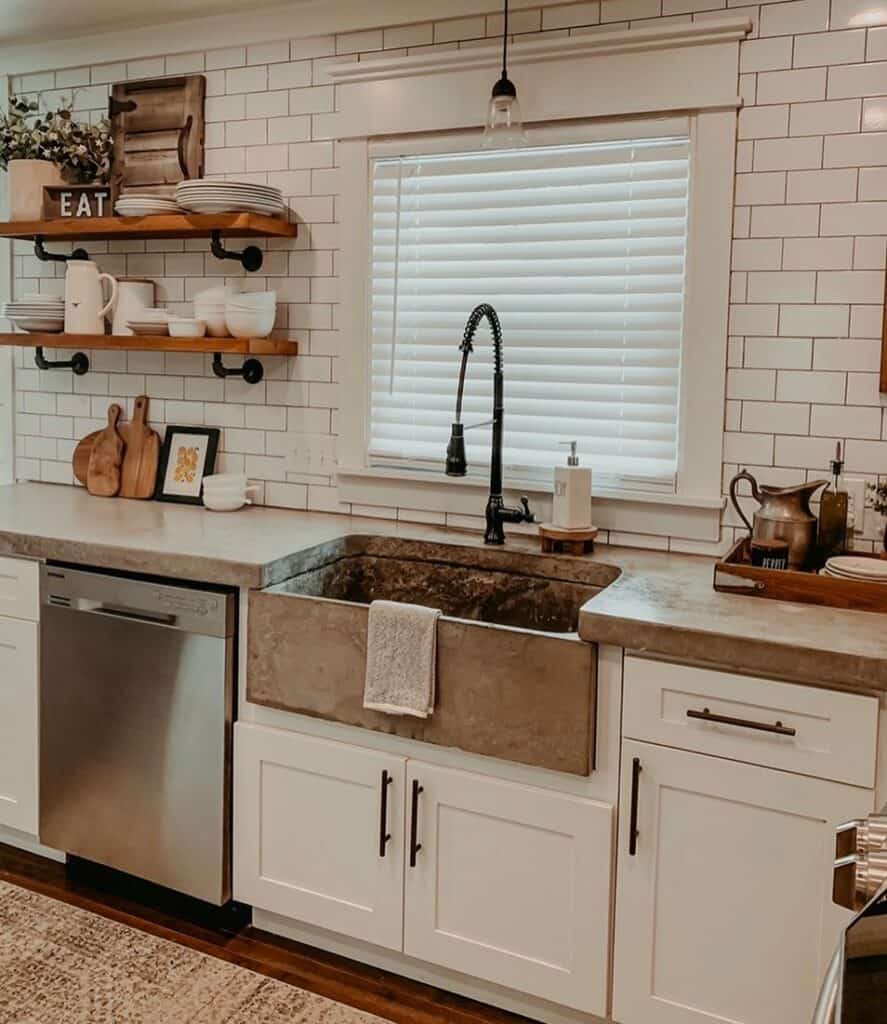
{"x":504,"y":129}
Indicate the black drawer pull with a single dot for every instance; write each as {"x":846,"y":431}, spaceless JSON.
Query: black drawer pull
{"x":633,"y":813}
{"x":415,"y":847}
{"x":384,"y":834}
{"x":744,"y":723}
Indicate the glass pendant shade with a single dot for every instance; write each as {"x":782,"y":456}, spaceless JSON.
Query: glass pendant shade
{"x":504,"y":127}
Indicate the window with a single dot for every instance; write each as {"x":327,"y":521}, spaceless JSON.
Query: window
{"x":581,"y":248}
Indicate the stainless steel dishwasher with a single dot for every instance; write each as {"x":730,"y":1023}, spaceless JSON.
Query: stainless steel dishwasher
{"x":136,"y":708}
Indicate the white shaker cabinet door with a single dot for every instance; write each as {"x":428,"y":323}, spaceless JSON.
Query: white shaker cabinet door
{"x":724,"y":911}
{"x":18,"y":725}
{"x":308,"y":839}
{"x":511,"y":884}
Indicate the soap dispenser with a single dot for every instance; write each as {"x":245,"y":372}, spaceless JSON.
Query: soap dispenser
{"x":571,"y":508}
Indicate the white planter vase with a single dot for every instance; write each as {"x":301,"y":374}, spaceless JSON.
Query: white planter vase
{"x":26,"y":181}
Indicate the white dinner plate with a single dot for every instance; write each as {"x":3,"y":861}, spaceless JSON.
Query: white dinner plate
{"x":853,"y":567}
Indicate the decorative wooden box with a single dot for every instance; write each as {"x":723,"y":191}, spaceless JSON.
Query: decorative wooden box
{"x":734,"y":574}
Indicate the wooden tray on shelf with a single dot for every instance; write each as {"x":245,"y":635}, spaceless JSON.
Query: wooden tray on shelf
{"x":734,"y":574}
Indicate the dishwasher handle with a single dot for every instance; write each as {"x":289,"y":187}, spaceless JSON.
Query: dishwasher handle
{"x":119,"y":611}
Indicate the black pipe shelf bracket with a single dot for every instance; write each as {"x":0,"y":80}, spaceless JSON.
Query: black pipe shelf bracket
{"x":41,"y":253}
{"x":78,"y":363}
{"x":252,"y":370}
{"x":250,"y":258}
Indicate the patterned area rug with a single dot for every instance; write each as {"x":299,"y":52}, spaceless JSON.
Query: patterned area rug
{"x":62,"y":965}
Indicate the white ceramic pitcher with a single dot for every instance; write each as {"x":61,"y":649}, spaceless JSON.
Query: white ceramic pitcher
{"x":85,"y":306}
{"x":134,"y":296}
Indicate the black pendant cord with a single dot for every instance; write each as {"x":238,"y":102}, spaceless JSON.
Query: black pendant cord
{"x":505,"y":44}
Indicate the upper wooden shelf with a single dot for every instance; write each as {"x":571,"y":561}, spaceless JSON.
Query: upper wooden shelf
{"x":172,"y":225}
{"x":155,"y":343}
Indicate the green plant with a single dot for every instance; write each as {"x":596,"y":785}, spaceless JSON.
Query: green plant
{"x":82,"y":151}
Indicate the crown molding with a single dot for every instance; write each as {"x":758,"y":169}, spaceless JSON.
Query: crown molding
{"x":599,"y":43}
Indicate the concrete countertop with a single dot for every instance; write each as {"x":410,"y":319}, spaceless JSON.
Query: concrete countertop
{"x":662,"y":604}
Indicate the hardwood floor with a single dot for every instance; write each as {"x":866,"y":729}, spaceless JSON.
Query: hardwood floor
{"x":366,"y":988}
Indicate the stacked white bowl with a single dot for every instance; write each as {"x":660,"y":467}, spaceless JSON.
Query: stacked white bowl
{"x":251,"y":314}
{"x":226,"y":492}
{"x":209,"y":306}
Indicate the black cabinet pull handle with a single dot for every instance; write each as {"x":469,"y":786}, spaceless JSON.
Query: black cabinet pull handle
{"x":633,"y":814}
{"x":744,"y":723}
{"x":384,"y":834}
{"x":414,"y":822}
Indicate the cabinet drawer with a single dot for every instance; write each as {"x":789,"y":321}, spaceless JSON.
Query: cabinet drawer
{"x":803,"y":729}
{"x":20,"y":588}
{"x":18,"y":724}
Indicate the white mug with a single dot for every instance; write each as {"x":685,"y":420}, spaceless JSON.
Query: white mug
{"x":85,"y":306}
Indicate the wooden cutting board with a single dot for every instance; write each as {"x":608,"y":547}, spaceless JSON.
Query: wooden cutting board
{"x":139,"y":473}
{"x":106,"y":459}
{"x":81,"y":456}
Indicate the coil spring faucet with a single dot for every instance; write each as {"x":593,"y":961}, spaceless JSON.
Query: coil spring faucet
{"x":497,"y":511}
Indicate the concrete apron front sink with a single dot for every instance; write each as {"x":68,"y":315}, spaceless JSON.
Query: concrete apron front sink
{"x":514,"y":679}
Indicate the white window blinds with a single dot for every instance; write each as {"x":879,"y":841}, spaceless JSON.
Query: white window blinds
{"x":581,"y":250}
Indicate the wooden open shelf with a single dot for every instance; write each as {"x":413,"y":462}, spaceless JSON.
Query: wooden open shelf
{"x":155,"y":343}
{"x":171,"y":225}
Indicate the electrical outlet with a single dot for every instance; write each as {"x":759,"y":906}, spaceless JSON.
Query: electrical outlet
{"x":312,"y":454}
{"x":855,"y":488}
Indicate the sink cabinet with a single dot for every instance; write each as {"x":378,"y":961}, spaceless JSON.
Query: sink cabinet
{"x":511,"y":884}
{"x":307,"y":818}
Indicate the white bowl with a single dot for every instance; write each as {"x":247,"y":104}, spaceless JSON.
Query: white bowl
{"x":186,"y":327}
{"x":225,"y":478}
{"x":214,"y":318}
{"x":224,"y":504}
{"x":215,"y":296}
{"x":252,"y":300}
{"x":249,"y":324}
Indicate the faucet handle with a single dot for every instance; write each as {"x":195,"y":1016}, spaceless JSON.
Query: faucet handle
{"x":528,"y":515}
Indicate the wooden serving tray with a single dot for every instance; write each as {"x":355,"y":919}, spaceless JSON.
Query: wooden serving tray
{"x":734,"y":574}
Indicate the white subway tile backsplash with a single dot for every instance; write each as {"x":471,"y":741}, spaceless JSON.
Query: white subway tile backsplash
{"x":804,"y":452}
{"x":755,"y":385}
{"x":857,"y":80}
{"x":781,"y":286}
{"x":779,"y":353}
{"x":814,"y":321}
{"x":817,"y":253}
{"x":810,"y":386}
{"x":845,"y":421}
{"x":796,"y":86}
{"x":764,"y":122}
{"x":868,"y":149}
{"x":788,"y":154}
{"x":830,"y":117}
{"x":776,"y":418}
{"x":797,"y":16}
{"x":854,"y":219}
{"x":825,"y":48}
{"x":873,"y":183}
{"x":785,"y":221}
{"x":827,"y":186}
{"x":772,"y":54}
{"x":850,"y":286}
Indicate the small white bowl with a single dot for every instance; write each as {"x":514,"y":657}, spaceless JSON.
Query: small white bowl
{"x":253,"y":324}
{"x":214,"y":318}
{"x":186,"y":327}
{"x":215,"y":504}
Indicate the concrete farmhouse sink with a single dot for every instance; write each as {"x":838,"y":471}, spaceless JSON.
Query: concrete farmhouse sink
{"x":514,"y":679}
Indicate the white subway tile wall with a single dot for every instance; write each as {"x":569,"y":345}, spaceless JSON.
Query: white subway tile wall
{"x":809,"y":247}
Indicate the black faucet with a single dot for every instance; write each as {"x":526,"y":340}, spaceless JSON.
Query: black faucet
{"x":497,"y":511}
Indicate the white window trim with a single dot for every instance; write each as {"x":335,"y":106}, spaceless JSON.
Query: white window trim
{"x":7,"y":390}
{"x":639,"y":72}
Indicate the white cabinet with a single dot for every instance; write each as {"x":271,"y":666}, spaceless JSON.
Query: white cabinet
{"x":507,"y":883}
{"x":307,"y":822}
{"x":511,"y":884}
{"x":18,"y":725}
{"x":724,"y":911}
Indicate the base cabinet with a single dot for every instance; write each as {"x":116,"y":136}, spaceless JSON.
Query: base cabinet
{"x":18,"y":725}
{"x":724,"y":911}
{"x":307,"y":821}
{"x":511,"y":884}
{"x":503,"y":882}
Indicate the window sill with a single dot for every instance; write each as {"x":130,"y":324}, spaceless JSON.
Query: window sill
{"x":625,"y":511}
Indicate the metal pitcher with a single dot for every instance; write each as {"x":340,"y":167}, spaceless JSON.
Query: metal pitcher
{"x":784,"y":515}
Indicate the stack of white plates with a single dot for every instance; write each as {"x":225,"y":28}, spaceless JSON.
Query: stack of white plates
{"x":44,"y":314}
{"x":850,"y":567}
{"x":150,"y":321}
{"x":206,"y":196}
{"x":134,"y":204}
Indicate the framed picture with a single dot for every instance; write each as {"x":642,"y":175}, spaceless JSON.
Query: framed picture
{"x":188,"y":455}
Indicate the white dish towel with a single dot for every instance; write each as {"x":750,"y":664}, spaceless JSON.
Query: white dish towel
{"x":401,"y":659}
